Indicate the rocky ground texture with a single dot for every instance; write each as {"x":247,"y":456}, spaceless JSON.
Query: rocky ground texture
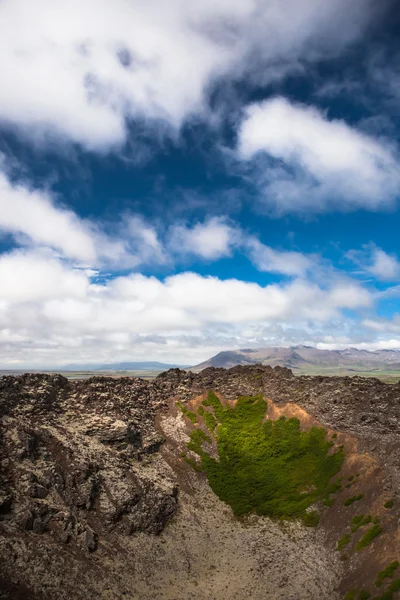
{"x":96,"y":502}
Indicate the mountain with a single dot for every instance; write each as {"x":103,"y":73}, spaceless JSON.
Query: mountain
{"x":304,"y":359}
{"x":123,"y":366}
{"x":225,"y":484}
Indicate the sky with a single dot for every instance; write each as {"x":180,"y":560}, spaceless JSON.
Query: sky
{"x":180,"y":178}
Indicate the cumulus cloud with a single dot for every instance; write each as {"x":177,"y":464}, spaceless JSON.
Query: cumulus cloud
{"x":377,"y":262}
{"x":33,"y":214}
{"x":34,"y":218}
{"x":270,"y":260}
{"x":81,"y":69}
{"x":384,"y":266}
{"x":304,"y":162}
{"x":212,"y":239}
{"x":48,"y":308}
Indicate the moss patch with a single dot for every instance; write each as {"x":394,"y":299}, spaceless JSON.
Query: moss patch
{"x":360,"y":520}
{"x":353,"y":499}
{"x":386,"y":573}
{"x":368,"y":537}
{"x":267,"y":467}
{"x":188,"y":413}
{"x":389,"y":504}
{"x":388,"y":595}
{"x":343,"y":541}
{"x":208,"y":418}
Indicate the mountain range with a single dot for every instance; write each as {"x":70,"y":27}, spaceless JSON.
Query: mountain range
{"x":307,"y":358}
{"x":123,"y":366}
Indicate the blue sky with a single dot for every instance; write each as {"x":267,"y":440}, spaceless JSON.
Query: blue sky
{"x":178,"y":180}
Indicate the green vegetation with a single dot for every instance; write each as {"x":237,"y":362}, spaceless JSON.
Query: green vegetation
{"x":311,"y":519}
{"x":209,"y":419}
{"x":386,"y":573}
{"x":267,"y":467}
{"x":191,"y":462}
{"x":359,"y":521}
{"x":353,"y":499}
{"x":388,"y":595}
{"x":328,"y":501}
{"x":188,"y":413}
{"x":368,"y":537}
{"x":389,"y":504}
{"x":197,"y":438}
{"x":355,"y":595}
{"x":343,"y":541}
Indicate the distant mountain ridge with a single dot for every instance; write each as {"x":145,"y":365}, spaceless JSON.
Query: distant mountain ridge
{"x":123,"y":366}
{"x":301,"y":358}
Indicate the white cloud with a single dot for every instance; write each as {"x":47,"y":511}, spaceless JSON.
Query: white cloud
{"x":387,"y":326}
{"x":377,"y":262}
{"x":384,"y":266}
{"x":28,"y":277}
{"x":305,"y":162}
{"x":80,"y":69}
{"x":270,"y":260}
{"x":34,"y":219}
{"x":33,"y":214}
{"x":212,"y":239}
{"x":48,"y":308}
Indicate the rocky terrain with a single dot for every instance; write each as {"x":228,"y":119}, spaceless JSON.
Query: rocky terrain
{"x":96,"y":500}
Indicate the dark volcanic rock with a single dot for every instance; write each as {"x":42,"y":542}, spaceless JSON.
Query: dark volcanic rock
{"x":81,"y":469}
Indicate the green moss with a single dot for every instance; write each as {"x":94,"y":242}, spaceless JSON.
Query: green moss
{"x":388,"y":595}
{"x":351,"y":595}
{"x":335,"y":486}
{"x":197,"y":438}
{"x":389,"y":504}
{"x":209,"y":419}
{"x":353,"y":499}
{"x":188,"y":413}
{"x":196,"y":466}
{"x":359,"y":521}
{"x":368,"y":537}
{"x":364,"y":595}
{"x":386,"y":573}
{"x":311,"y":519}
{"x":270,"y":467}
{"x":343,"y":541}
{"x":328,"y":501}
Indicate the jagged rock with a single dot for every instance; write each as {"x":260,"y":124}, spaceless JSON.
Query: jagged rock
{"x":27,"y":521}
{"x":38,"y":491}
{"x":90,"y":540}
{"x":38,"y":526}
{"x":6,"y":501}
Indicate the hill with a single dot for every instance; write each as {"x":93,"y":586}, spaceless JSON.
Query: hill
{"x":309,"y":360}
{"x":122,"y":366}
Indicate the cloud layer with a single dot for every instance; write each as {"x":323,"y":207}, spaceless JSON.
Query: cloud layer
{"x":80,"y":70}
{"x":48,"y":308}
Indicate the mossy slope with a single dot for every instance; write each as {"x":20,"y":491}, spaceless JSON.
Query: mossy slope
{"x":268,"y":467}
